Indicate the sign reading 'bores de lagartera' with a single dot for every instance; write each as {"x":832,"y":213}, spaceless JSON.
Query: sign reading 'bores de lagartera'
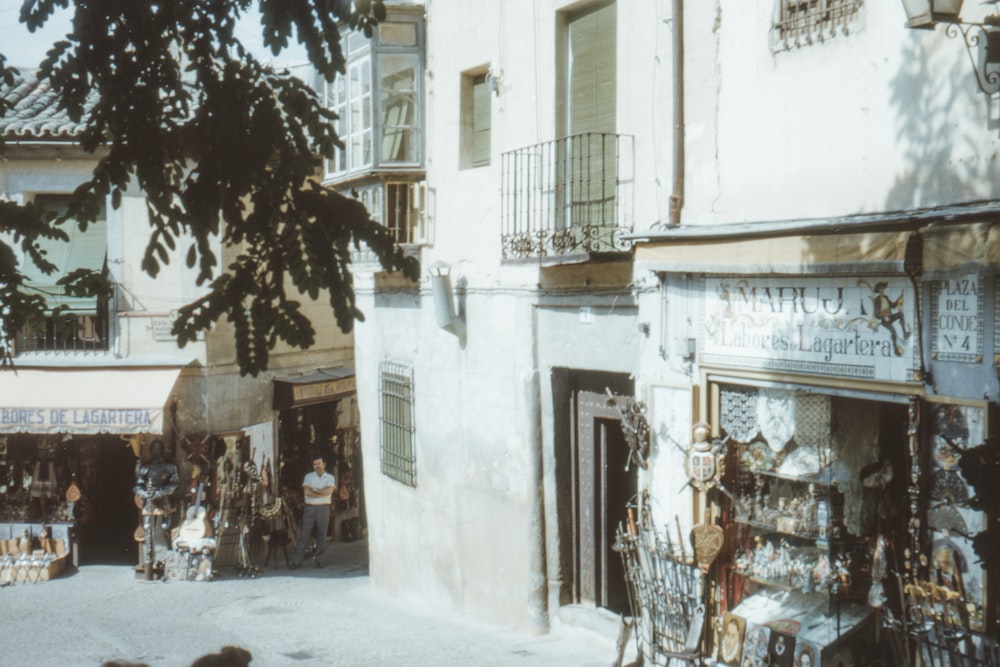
{"x":856,"y":327}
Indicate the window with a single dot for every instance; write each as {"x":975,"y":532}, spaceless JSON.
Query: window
{"x":379,"y":100}
{"x":805,"y":21}
{"x":475,"y":140}
{"x":396,"y":414}
{"x":586,"y":160}
{"x":80,"y":323}
{"x":591,"y":73}
{"x":400,"y":206}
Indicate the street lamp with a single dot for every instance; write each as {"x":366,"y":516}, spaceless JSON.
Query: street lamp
{"x":927,"y":13}
{"x":982,"y":40}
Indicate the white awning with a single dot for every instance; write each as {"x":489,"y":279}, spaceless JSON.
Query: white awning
{"x":85,"y":400}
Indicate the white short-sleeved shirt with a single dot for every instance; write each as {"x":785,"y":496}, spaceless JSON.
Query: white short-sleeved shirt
{"x":317,"y":483}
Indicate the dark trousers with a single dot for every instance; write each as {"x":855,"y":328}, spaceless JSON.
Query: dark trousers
{"x":314,"y":517}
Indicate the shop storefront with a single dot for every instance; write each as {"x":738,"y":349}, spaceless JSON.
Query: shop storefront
{"x":843,"y":377}
{"x":69,"y":444}
{"x":317,"y":416}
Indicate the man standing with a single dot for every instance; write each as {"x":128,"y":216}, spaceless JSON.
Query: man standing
{"x":318,"y":488}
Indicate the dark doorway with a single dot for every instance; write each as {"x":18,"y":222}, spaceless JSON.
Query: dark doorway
{"x":600,"y":487}
{"x":111,"y":515}
{"x":617,"y":485}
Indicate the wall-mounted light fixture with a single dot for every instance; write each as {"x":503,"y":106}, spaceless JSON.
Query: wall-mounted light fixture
{"x":982,"y":40}
{"x":928,"y":13}
{"x":494,"y":77}
{"x":444,"y":302}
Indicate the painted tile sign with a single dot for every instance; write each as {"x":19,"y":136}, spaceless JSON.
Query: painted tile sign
{"x":957,"y":321}
{"x":847,"y":326}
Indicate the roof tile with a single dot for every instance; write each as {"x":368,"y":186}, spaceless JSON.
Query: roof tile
{"x":35,"y":112}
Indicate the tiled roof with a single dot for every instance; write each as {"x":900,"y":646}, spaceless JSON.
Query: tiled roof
{"x":35,"y":113}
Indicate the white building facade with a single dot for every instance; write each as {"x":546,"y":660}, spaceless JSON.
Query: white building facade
{"x":777,"y":217}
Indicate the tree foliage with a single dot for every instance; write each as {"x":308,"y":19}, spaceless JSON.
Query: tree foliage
{"x":222,"y":145}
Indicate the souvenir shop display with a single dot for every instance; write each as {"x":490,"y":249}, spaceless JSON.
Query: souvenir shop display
{"x":34,"y":554}
{"x":39,"y":498}
{"x":801,"y":539}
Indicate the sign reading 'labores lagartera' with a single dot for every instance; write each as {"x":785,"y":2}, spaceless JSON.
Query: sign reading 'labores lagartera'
{"x":857,"y":327}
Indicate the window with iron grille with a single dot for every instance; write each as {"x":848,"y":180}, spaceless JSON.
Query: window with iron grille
{"x":398,"y":454}
{"x":805,"y":21}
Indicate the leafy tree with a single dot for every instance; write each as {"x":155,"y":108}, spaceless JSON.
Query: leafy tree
{"x":222,"y":145}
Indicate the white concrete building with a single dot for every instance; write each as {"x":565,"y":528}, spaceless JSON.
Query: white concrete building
{"x":807,"y":151}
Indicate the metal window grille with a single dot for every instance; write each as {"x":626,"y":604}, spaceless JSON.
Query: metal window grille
{"x":71,"y":331}
{"x":805,"y":21}
{"x":398,"y":453}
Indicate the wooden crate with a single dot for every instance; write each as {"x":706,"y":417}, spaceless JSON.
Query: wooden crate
{"x":22,"y":573}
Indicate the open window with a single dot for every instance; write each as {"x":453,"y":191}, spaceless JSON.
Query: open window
{"x":71,"y":322}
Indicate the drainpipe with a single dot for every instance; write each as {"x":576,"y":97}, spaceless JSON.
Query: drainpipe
{"x":677,"y":198}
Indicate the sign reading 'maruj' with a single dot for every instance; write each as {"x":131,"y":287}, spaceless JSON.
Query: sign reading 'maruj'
{"x":857,"y":327}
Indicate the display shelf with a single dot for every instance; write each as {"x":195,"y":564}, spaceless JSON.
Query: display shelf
{"x":773,"y":529}
{"x":822,"y":478}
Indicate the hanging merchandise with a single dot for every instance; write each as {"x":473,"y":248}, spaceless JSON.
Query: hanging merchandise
{"x":776,"y":414}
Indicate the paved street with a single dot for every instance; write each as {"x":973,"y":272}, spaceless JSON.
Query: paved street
{"x":329,"y":616}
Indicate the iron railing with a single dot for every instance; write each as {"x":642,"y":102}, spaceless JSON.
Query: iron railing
{"x":567,"y":197}
{"x":803,"y":22}
{"x":72,"y":332}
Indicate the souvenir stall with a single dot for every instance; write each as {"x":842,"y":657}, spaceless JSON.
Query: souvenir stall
{"x":849,"y":378}
{"x":67,"y":465}
{"x":318,"y":415}
{"x":230,"y":503}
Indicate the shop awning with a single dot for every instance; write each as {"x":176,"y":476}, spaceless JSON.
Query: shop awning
{"x":946,"y":238}
{"x":85,"y":400}
{"x":320,"y":386}
{"x":788,"y":254}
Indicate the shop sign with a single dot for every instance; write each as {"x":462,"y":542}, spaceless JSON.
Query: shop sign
{"x":857,"y":327}
{"x":162,"y":326}
{"x":78,"y":420}
{"x":317,"y":391}
{"x":957,"y":320}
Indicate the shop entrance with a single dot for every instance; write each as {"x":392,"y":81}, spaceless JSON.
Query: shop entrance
{"x":109,"y":515}
{"x":329,"y":430}
{"x":601,"y":485}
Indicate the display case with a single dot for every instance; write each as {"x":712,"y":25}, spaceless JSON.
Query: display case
{"x":811,"y":481}
{"x":791,"y":535}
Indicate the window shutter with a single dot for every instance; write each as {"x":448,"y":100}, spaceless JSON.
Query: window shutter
{"x":480,"y":121}
{"x":592,"y":75}
{"x":84,"y":250}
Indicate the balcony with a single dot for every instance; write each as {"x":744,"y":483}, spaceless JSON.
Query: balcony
{"x":567,"y":200}
{"x":72,"y":332}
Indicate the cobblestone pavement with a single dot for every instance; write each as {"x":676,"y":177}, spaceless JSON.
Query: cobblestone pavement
{"x":330,"y":616}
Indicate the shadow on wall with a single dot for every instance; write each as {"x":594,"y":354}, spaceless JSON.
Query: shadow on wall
{"x":945,"y":161}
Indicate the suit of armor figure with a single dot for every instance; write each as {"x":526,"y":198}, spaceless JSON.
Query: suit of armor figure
{"x":155,"y":484}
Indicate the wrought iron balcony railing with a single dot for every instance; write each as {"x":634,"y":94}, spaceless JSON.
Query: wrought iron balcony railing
{"x":72,"y":332}
{"x":571,"y":196}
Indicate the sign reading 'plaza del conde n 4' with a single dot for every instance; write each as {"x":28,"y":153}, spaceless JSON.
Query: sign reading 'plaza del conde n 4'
{"x":847,"y":326}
